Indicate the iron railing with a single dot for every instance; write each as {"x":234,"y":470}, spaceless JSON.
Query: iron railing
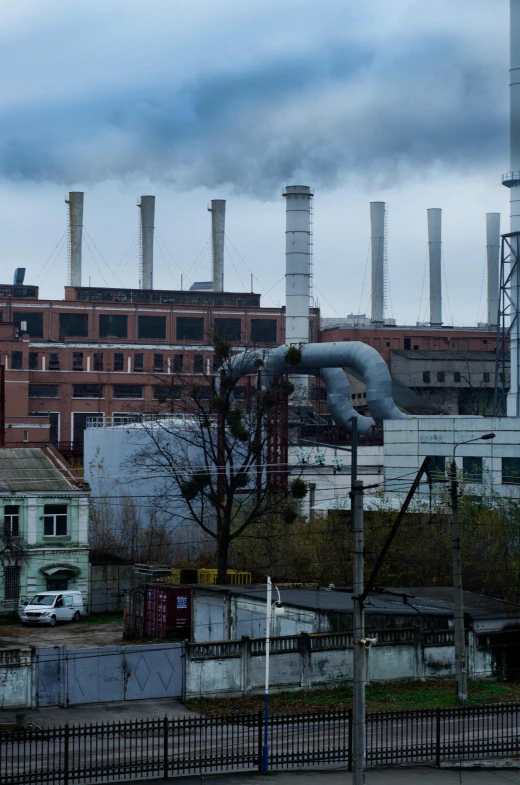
{"x":139,"y":749}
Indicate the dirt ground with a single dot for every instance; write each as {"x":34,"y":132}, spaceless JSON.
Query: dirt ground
{"x":74,"y":636}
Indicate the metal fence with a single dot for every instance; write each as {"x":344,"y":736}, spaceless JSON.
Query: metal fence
{"x":70,"y":755}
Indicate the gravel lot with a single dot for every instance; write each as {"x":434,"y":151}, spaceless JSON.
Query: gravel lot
{"x":74,"y":636}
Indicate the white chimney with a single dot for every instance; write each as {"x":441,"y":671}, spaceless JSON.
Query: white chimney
{"x":493,"y":266}
{"x":218,"y":232}
{"x":297,"y":262}
{"x":512,"y":181}
{"x":75,"y":202}
{"x":377,"y":242}
{"x":435,"y":251}
{"x":147,"y":208}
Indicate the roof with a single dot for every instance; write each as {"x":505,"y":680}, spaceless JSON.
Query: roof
{"x":37,"y":469}
{"x":445,"y":355}
{"x":436,"y":601}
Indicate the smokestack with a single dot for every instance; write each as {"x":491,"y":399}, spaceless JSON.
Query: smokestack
{"x":377,"y":242}
{"x":435,"y":250}
{"x":147,"y":207}
{"x":493,"y":266}
{"x":297,"y":262}
{"x":512,"y":181}
{"x":218,"y":232}
{"x":75,"y":202}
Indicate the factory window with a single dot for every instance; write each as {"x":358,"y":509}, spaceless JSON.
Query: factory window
{"x":34,"y":322}
{"x":263,"y":331}
{"x":511,"y":471}
{"x":98,"y":361}
{"x":318,"y":394}
{"x":407,"y":343}
{"x":16,"y":361}
{"x":426,"y":377}
{"x":437,"y":466}
{"x":178,"y":363}
{"x":440,"y":376}
{"x":472,"y":469}
{"x":152,"y":327}
{"x":33,"y":361}
{"x":239,"y":393}
{"x":415,"y":347}
{"x":128,"y":391}
{"x":198,"y":363}
{"x":43,"y":391}
{"x":12,"y":520}
{"x":201,"y":393}
{"x":73,"y":325}
{"x":12,"y":583}
{"x":228,"y":329}
{"x":119,"y":361}
{"x":388,"y":343}
{"x":217,"y":363}
{"x":158,"y":362}
{"x":113,"y":325}
{"x":163,"y":393}
{"x":456,"y":377}
{"x":139,"y":362}
{"x":54,"y":520}
{"x":485,"y":377}
{"x":190,"y":328}
{"x":54,"y":361}
{"x":77,"y":361}
{"x":87,"y":390}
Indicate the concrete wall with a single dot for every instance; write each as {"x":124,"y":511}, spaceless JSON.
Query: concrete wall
{"x":16,"y":678}
{"x":306,"y":661}
{"x":408,"y":442}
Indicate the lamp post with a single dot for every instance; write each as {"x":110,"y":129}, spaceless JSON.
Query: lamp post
{"x":461,"y":673}
{"x":279,"y":611}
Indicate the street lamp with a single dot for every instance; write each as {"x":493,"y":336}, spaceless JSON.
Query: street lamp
{"x":461,"y":673}
{"x":278,"y":611}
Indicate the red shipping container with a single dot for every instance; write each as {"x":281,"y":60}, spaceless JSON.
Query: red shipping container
{"x":167,"y":612}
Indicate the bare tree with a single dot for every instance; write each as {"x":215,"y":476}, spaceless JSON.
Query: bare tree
{"x":209,"y":462}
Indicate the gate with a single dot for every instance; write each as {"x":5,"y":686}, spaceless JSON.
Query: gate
{"x":111,"y":673}
{"x":153,"y":671}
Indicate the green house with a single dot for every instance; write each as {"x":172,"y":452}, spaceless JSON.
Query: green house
{"x":44,"y":519}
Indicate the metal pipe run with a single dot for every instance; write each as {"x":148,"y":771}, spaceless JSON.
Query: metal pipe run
{"x":435,"y":253}
{"x":218,"y":233}
{"x":75,"y":202}
{"x":147,"y":208}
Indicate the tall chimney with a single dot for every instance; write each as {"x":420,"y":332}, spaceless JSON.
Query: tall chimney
{"x":147,"y":207}
{"x":218,"y":232}
{"x":512,"y":181}
{"x":435,"y":251}
{"x":297,"y":262}
{"x":493,"y":266}
{"x":377,"y":242}
{"x":75,"y":202}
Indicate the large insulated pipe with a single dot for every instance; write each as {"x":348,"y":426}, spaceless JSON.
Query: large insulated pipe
{"x":435,"y":252}
{"x":329,"y":359}
{"x":512,"y":181}
{"x":297,"y":262}
{"x":75,"y":202}
{"x":493,"y":266}
{"x":218,"y":232}
{"x":147,"y":208}
{"x":377,"y":243}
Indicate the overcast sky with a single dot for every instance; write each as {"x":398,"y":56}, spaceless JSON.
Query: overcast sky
{"x":404,"y":101}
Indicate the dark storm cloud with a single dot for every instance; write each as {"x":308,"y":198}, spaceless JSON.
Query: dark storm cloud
{"x":320,"y":116}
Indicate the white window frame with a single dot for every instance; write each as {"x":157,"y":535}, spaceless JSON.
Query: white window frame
{"x":54,"y":516}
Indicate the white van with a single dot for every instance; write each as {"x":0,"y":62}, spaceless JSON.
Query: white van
{"x":48,"y":607}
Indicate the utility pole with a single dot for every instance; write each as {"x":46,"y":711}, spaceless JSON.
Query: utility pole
{"x":461,"y":674}
{"x":358,"y":637}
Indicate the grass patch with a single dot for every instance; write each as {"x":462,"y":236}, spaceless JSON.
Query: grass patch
{"x":102,"y":618}
{"x":382,"y":696}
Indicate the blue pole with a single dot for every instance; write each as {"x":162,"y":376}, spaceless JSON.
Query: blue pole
{"x":265,"y":749}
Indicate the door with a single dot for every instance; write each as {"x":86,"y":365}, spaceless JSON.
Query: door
{"x":95,"y":675}
{"x":210,"y":621}
{"x":68,"y":609}
{"x":153,"y":671}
